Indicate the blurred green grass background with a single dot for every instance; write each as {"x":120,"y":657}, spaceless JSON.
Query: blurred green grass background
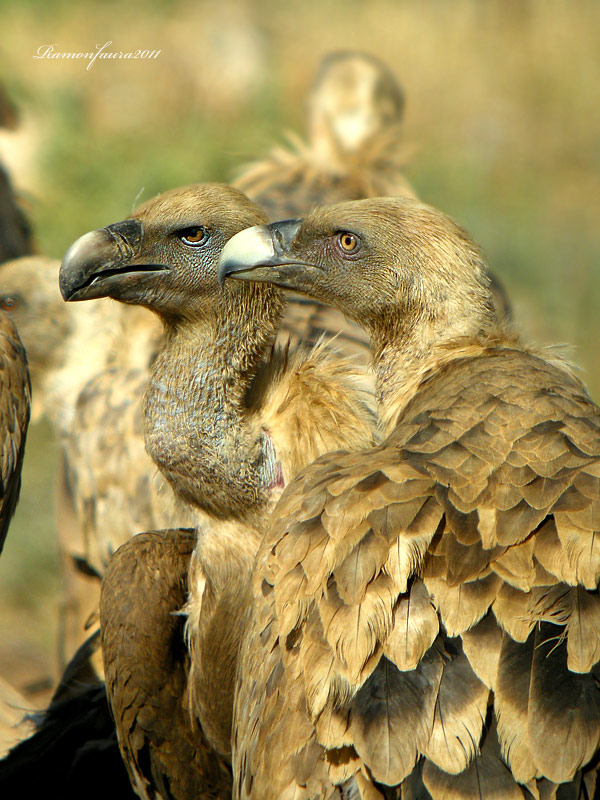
{"x":503,"y":109}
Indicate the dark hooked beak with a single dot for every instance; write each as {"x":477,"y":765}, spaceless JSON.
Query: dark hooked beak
{"x":100,"y":260}
{"x":264,"y":253}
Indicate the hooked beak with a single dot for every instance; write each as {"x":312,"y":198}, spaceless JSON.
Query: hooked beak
{"x":101,"y":260}
{"x":265,"y":254}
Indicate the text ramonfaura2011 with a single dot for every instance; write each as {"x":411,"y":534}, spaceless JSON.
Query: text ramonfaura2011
{"x":102,"y":52}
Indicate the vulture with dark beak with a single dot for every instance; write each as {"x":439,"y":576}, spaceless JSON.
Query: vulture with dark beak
{"x":426,"y":615}
{"x":15,"y":403}
{"x":229,"y":420}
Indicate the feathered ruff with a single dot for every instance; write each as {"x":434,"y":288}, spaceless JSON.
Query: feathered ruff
{"x":374,"y":170}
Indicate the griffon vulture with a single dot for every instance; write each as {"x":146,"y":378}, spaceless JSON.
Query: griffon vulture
{"x":229,"y":420}
{"x":90,"y":363}
{"x":427,"y":618}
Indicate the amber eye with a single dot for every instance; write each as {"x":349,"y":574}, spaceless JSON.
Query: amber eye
{"x":348,"y":242}
{"x":8,"y":303}
{"x":193,"y":236}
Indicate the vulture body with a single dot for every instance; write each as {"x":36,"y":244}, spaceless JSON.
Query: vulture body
{"x":155,"y":662}
{"x":15,"y":403}
{"x":16,"y":237}
{"x":425,"y":620}
{"x":228,"y":421}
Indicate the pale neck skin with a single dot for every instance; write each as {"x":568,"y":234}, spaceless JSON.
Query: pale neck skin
{"x":197,"y":426}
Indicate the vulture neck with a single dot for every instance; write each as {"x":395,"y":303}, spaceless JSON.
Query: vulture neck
{"x":406,"y":350}
{"x":197,"y":427}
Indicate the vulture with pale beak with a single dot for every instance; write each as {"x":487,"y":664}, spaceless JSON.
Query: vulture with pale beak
{"x":426,"y":614}
{"x":15,"y":404}
{"x":229,"y":420}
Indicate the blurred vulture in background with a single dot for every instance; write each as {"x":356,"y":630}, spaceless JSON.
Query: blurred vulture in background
{"x":355,"y":150}
{"x":16,"y":238}
{"x":79,"y":359}
{"x":427,"y":618}
{"x":354,"y":147}
{"x":229,"y":420}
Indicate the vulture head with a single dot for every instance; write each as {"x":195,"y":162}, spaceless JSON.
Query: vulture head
{"x":354,"y":97}
{"x":402,"y":269}
{"x":164,"y":256}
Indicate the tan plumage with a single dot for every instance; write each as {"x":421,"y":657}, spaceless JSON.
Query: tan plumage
{"x":228,"y":420}
{"x":15,"y":403}
{"x":483,"y":501}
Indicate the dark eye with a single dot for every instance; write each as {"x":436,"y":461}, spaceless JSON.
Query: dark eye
{"x":8,"y":303}
{"x":193,"y":236}
{"x":348,"y":242}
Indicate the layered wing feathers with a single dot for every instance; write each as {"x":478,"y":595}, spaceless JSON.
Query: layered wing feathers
{"x":415,"y":593}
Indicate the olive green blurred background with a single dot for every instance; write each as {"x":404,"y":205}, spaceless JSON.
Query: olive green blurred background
{"x":502,"y":119}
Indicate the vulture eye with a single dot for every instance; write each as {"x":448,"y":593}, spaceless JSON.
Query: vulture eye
{"x":8,"y":303}
{"x":348,"y":242}
{"x":193,"y":236}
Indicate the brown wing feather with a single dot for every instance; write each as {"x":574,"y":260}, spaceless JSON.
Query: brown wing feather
{"x":147,"y":664}
{"x":487,"y":489}
{"x":15,"y":403}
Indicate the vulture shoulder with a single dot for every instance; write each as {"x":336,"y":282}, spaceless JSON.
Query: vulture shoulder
{"x":423,"y":598}
{"x":146,"y":668}
{"x":15,"y":404}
